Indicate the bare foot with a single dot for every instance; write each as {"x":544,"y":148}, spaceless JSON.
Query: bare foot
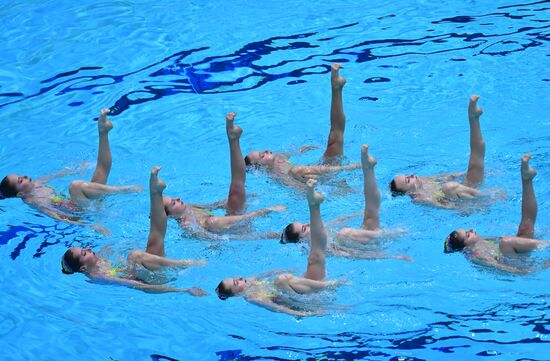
{"x":527,"y":172}
{"x":104,"y":125}
{"x":313,"y":198}
{"x":367,"y":160}
{"x":336,"y":80}
{"x":233,"y":131}
{"x":474,"y":110}
{"x":155,"y":183}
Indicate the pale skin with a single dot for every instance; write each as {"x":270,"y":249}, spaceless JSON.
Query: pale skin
{"x":441,"y":190}
{"x":81,"y":192}
{"x":280,"y":167}
{"x":370,"y":228}
{"x":197,"y":219}
{"x":313,"y":280}
{"x":152,"y":259}
{"x":480,"y":251}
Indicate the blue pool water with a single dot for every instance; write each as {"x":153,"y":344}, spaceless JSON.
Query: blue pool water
{"x":172,"y":70}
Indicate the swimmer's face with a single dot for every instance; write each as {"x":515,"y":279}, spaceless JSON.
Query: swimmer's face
{"x":301,"y":229}
{"x":407,"y":183}
{"x":468,"y":236}
{"x":86,"y":258}
{"x":174,"y":207}
{"x":21,"y":183}
{"x":235,"y":285}
{"x":265,"y":157}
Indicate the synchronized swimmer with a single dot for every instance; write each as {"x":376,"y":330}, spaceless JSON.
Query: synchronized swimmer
{"x":279,"y":165}
{"x":347,"y":240}
{"x":484,"y":250}
{"x":275,"y":289}
{"x":43,"y":198}
{"x":441,"y":190}
{"x":100,"y":270}
{"x":274,"y":294}
{"x":198,"y":219}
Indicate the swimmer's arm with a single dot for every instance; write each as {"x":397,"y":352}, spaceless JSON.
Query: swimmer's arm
{"x":447,"y":176}
{"x":113,"y":280}
{"x":272,"y":306}
{"x":301,"y":150}
{"x":491,"y":262}
{"x":311,"y":171}
{"x":271,"y":273}
{"x":222,"y":203}
{"x":306,"y":148}
{"x":75,"y":220}
{"x":428,"y":201}
{"x":65,"y":172}
{"x":340,"y":220}
{"x":324,"y":169}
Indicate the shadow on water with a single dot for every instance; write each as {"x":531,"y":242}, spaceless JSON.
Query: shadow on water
{"x":28,"y":234}
{"x":174,"y":74}
{"x":452,"y":335}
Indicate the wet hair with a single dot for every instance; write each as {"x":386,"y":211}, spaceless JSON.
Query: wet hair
{"x":289,"y":235}
{"x":223,"y":292}
{"x":453,"y":243}
{"x":247,"y":161}
{"x":7,"y":190}
{"x":394,"y":191}
{"x":69,"y":263}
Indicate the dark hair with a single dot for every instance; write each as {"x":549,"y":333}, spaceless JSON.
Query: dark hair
{"x":223,"y":292}
{"x":394,"y":191}
{"x":7,"y":190}
{"x":453,"y":243}
{"x":289,"y":235}
{"x":69,"y":263}
{"x":247,"y":161}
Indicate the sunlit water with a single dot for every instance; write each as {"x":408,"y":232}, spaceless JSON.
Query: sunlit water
{"x":171,"y":72}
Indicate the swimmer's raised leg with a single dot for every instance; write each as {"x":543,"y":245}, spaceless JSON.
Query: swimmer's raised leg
{"x":335,"y":144}
{"x":529,"y":207}
{"x":371,"y":219}
{"x":316,"y":265}
{"x":476,"y":165}
{"x":237,"y":193}
{"x":313,"y":280}
{"x":217,"y":224}
{"x":83,"y":190}
{"x":104,"y":158}
{"x":159,"y":219}
{"x":153,"y":258}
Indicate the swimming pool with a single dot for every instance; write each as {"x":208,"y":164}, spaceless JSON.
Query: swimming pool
{"x":173,"y":70}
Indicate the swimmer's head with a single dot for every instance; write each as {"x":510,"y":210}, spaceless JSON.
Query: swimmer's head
{"x":173,"y":207}
{"x":79,"y":259}
{"x":14,"y":185}
{"x":295,"y":232}
{"x":230,"y":287}
{"x":403,"y":184}
{"x":264,"y":158}
{"x":459,"y":239}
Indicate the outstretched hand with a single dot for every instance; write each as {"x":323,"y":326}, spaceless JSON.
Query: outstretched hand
{"x":196,"y":291}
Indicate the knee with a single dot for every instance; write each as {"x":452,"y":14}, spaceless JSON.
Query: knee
{"x":506,"y":246}
{"x":76,"y":188}
{"x":282,"y":280}
{"x":135,"y":257}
